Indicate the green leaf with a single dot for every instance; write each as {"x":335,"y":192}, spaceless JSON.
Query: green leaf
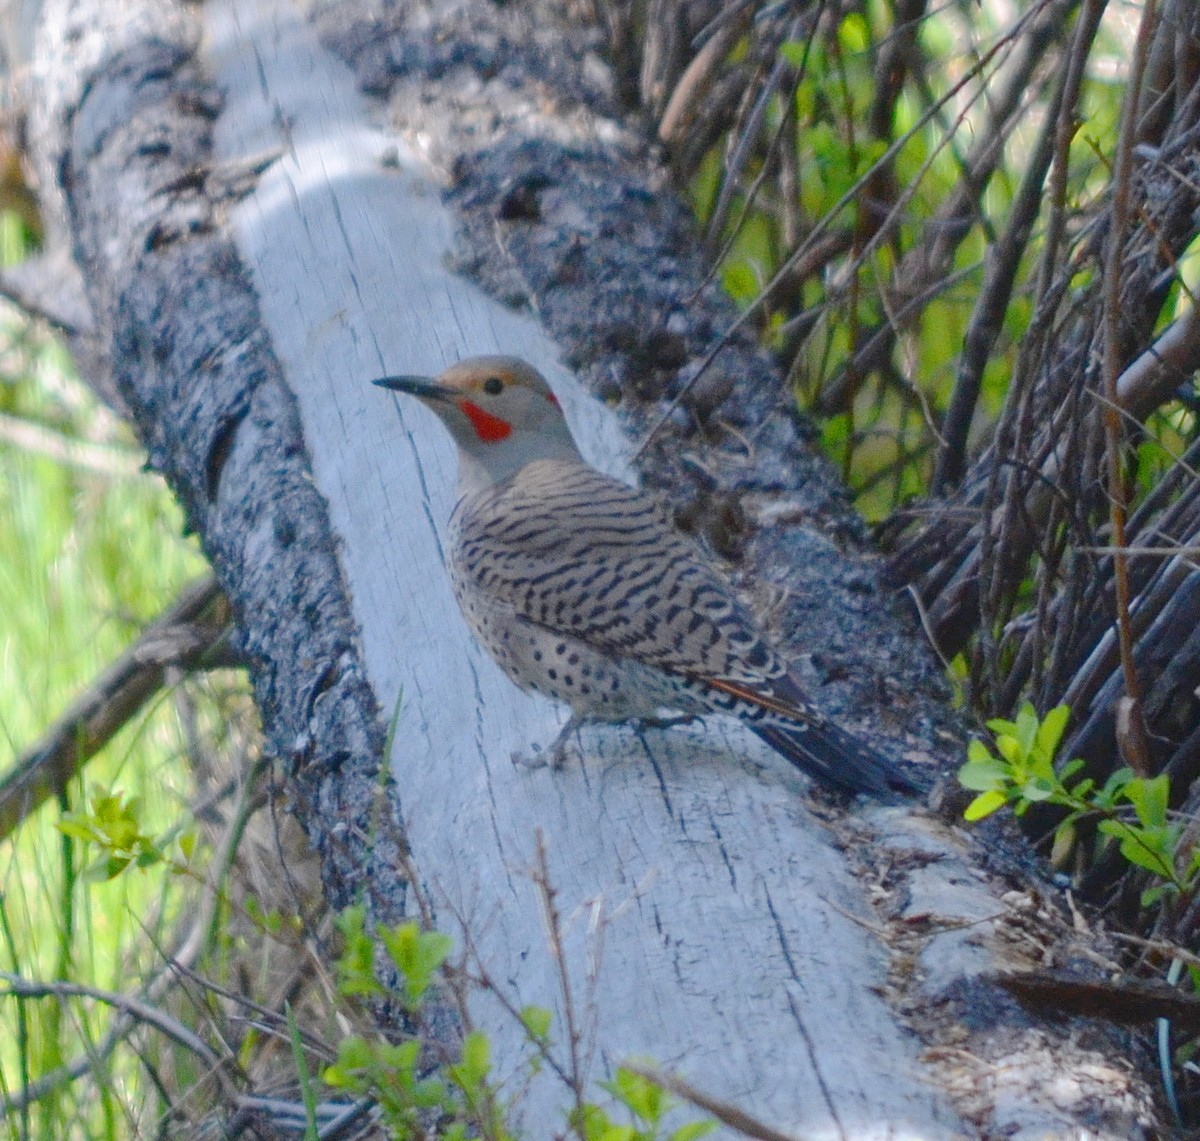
{"x":853,"y":34}
{"x":536,"y":1020}
{"x":740,"y":282}
{"x":693,"y":1130}
{"x":618,"y":1133}
{"x":984,"y":805}
{"x":1142,"y":847}
{"x":794,"y":51}
{"x":590,"y":1121}
{"x":1027,"y":729}
{"x":983,"y":776}
{"x":1114,"y":786}
{"x":979,"y":753}
{"x":1153,"y":895}
{"x":353,"y":1059}
{"x":1069,"y":770}
{"x":1051,"y":729}
{"x":476,"y":1058}
{"x":1037,"y":789}
{"x":1010,"y":749}
{"x":417,"y":955}
{"x":1149,"y":798}
{"x":1065,"y":836}
{"x":356,"y":966}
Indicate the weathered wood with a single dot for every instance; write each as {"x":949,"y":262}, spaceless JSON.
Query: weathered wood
{"x":711,"y":922}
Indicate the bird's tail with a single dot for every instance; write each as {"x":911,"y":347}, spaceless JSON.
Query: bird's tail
{"x":836,"y":758}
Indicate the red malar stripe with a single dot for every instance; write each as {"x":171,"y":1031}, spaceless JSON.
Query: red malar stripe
{"x":490,"y":429}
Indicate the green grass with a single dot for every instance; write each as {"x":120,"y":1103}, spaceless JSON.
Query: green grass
{"x":92,"y":549}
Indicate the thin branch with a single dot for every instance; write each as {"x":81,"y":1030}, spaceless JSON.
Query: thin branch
{"x":184,"y":636}
{"x":1138,"y":746}
{"x":724,"y":1111}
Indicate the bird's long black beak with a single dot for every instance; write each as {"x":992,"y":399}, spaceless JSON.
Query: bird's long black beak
{"x":421,"y":386}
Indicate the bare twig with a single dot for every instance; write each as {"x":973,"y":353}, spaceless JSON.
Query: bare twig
{"x":726,"y":1113}
{"x":547,"y":893}
{"x":184,"y":636}
{"x":41,"y":440}
{"x":1134,"y":738}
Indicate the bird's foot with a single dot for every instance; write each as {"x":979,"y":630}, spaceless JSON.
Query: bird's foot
{"x":640,"y":723}
{"x":533,"y":761}
{"x":554,"y":756}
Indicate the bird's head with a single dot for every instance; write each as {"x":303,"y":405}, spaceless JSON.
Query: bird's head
{"x":500,"y":411}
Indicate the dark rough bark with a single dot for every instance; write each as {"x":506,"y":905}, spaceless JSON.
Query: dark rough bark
{"x":191,"y":362}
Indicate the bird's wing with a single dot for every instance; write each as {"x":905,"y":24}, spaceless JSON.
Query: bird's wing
{"x":579,"y":553}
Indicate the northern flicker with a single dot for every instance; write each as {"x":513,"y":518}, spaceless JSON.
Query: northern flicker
{"x":582,"y":590}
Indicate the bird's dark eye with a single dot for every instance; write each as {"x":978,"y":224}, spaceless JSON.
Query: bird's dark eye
{"x":493,"y":386}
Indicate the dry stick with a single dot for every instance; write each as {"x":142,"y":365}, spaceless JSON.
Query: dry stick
{"x":839,"y":396}
{"x":143,"y":1012}
{"x":547,"y":893}
{"x":184,"y":636}
{"x":1146,"y":383}
{"x":1048,"y":293}
{"x":1167,"y":345}
{"x":167,"y":978}
{"x":694,"y":83}
{"x":775,"y":143}
{"x":132,"y":1012}
{"x":791,"y":217}
{"x":987,"y":317}
{"x":788,"y":165}
{"x":1135,"y":742}
{"x":924,"y":272}
{"x":740,"y":153}
{"x":39,"y":440}
{"x":723,"y":17}
{"x":1002,"y":48}
{"x":1095,"y":670}
{"x":723,"y":1111}
{"x":892,"y":68}
{"x":1004,"y":112}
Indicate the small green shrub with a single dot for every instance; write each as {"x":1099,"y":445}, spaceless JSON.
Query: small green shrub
{"x":1132,"y":811}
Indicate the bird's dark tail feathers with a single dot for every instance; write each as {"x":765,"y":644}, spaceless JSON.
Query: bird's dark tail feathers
{"x":835,"y":758}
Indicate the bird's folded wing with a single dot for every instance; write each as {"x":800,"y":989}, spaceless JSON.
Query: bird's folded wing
{"x":584,"y":555}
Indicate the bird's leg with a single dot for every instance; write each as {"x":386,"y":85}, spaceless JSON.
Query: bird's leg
{"x":555,"y":754}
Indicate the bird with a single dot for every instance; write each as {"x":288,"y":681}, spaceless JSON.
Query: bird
{"x":581,"y":588}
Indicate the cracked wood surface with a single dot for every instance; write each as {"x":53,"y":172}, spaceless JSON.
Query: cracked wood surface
{"x":710,"y":922}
